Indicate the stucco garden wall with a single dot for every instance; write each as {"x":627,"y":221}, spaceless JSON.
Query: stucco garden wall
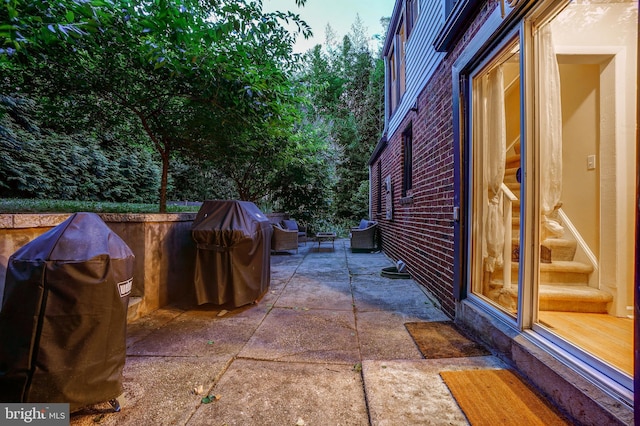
{"x":161,"y":243}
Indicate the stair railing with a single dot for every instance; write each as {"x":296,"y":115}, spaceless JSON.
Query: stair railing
{"x":513,"y":143}
{"x":583,"y":251}
{"x":507,"y":212}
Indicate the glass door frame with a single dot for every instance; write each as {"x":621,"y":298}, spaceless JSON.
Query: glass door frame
{"x":491,"y":38}
{"x":468,"y":103}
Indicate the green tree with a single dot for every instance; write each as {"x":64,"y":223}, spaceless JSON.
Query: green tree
{"x":346,"y":87}
{"x":183,"y":71}
{"x":303,"y":188}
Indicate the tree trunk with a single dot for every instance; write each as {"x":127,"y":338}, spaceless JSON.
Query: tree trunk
{"x":163,"y":181}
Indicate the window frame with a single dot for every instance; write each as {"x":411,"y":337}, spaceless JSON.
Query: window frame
{"x":412,"y":11}
{"x":401,"y":56}
{"x":393,"y":78}
{"x":380,"y":187}
{"x":407,"y":161}
{"x":396,"y":57}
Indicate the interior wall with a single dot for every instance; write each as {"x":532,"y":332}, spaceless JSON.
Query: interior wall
{"x":580,"y":115}
{"x":512,"y":102}
{"x":610,"y":29}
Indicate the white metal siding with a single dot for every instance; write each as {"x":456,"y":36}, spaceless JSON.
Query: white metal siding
{"x":421,"y":57}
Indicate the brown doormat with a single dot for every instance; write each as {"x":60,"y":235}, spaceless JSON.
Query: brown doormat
{"x":443,"y":340}
{"x":499,"y":397}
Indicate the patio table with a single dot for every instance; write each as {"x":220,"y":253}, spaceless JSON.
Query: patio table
{"x":326,"y":236}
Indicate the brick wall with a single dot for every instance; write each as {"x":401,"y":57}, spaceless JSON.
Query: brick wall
{"x":421,"y":231}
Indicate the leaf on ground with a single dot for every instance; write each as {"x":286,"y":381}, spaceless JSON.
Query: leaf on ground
{"x":210,"y":398}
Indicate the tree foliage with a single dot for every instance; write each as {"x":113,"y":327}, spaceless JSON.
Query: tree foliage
{"x":183,"y":71}
{"x":38,"y":163}
{"x":209,"y":89}
{"x":346,"y":88}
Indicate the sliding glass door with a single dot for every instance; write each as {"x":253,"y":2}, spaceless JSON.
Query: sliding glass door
{"x":552,"y":117}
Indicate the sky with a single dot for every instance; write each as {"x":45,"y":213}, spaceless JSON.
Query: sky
{"x":340,"y":14}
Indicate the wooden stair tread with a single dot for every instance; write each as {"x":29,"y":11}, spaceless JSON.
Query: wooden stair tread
{"x":559,"y":242}
{"x":551,"y":242}
{"x":562,"y":249}
{"x":510,"y":179}
{"x":557,"y":273}
{"x":512,"y":161}
{"x":573,"y":293}
{"x":567,"y":292}
{"x":513,"y":186}
{"x":573,"y":299}
{"x":560,"y":266}
{"x":566,"y":266}
{"x":567,"y":298}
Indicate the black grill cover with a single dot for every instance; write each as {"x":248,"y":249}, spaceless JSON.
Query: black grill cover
{"x":233,"y":263}
{"x":64,"y":314}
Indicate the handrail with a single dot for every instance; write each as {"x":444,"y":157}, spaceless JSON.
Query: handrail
{"x":507,"y":217}
{"x":505,"y":189}
{"x":512,"y":144}
{"x":581,"y":244}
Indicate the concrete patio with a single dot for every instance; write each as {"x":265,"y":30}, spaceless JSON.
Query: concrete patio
{"x":326,"y":345}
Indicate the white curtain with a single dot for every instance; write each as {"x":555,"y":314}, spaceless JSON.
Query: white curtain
{"x":494,"y":139}
{"x":550,"y":113}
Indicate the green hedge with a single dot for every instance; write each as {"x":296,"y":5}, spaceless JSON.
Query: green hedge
{"x":38,"y":163}
{"x":15,"y":205}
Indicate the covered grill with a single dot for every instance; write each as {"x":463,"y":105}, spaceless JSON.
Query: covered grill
{"x":233,"y":264}
{"x":64,"y":314}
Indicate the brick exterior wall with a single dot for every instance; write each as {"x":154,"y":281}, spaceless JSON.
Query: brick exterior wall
{"x":421,"y":231}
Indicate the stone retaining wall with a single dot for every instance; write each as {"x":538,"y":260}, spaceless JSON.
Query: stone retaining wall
{"x":162,"y":244}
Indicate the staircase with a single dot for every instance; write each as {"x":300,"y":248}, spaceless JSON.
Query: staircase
{"x":564,"y":282}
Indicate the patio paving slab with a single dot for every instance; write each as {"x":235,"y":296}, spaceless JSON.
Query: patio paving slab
{"x":325,"y":345}
{"x":382,"y":335}
{"x":318,"y":294}
{"x":200,"y":333}
{"x":367,"y":263}
{"x":385,"y":294}
{"x":411,"y":392}
{"x":304,"y":335}
{"x":148,"y":324}
{"x":307,"y":394}
{"x":157,"y":391}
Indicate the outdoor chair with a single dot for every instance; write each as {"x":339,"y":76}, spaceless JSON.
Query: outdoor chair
{"x":364,"y":237}
{"x":284,"y":239}
{"x":292,"y":225}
